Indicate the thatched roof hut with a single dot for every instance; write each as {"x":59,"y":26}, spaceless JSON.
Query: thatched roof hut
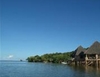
{"x":79,"y":53}
{"x":79,"y":50}
{"x":94,"y":48}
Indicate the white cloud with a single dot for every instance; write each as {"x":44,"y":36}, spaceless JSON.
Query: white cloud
{"x":10,"y":56}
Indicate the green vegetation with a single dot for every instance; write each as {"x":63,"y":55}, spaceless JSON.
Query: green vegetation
{"x":53,"y":57}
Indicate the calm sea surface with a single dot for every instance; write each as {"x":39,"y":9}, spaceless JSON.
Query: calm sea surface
{"x":25,"y":69}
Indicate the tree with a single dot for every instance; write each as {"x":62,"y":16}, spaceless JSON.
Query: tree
{"x":52,"y":57}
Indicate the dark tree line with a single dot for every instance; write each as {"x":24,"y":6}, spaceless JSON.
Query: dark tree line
{"x":52,"y":57}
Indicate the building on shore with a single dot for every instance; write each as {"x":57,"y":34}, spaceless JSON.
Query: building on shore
{"x":79,"y":55}
{"x":88,"y":56}
{"x":92,"y":55}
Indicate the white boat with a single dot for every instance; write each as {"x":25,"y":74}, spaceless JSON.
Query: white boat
{"x":63,"y":62}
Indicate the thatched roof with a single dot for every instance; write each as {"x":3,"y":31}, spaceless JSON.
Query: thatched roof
{"x":94,"y":48}
{"x":79,"y":50}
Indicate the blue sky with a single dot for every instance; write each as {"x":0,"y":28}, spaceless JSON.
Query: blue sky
{"x":36,"y":27}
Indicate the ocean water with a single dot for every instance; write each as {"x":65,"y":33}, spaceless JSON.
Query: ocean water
{"x":25,"y":69}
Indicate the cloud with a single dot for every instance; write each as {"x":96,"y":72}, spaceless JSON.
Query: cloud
{"x":10,"y":56}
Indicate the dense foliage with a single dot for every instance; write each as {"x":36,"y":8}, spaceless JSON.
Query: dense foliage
{"x":52,"y":57}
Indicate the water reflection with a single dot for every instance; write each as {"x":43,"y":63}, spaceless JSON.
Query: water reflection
{"x":25,"y":69}
{"x":85,"y":71}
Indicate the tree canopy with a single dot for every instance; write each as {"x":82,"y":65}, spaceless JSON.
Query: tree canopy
{"x":52,"y":57}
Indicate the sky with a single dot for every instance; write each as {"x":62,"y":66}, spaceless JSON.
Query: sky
{"x":37,"y":27}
